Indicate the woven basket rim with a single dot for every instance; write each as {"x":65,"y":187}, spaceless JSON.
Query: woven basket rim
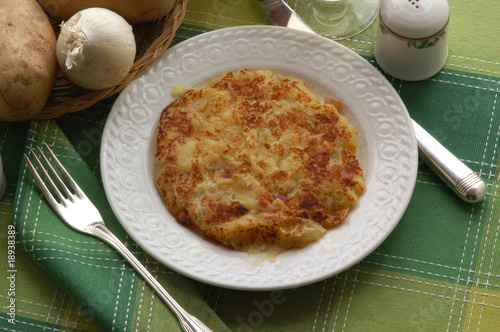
{"x":152,"y":39}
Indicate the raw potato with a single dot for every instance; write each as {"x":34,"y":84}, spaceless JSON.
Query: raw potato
{"x":28,"y":64}
{"x":134,"y":11}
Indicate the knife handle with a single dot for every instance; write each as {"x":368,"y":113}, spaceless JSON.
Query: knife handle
{"x":467,"y":184}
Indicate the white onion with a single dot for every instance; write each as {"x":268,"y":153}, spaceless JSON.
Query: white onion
{"x":96,"y":48}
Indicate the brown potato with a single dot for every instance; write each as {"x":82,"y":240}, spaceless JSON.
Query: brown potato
{"x":28,"y":64}
{"x":134,"y":11}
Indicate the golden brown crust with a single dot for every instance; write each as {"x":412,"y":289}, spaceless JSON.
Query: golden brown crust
{"x":256,"y":161}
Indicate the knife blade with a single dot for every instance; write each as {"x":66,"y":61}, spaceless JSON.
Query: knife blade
{"x":282,"y":15}
{"x":458,"y":176}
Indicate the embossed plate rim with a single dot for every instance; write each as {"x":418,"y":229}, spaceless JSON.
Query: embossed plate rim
{"x":388,"y":153}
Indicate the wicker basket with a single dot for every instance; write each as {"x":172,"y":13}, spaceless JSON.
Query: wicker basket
{"x":152,"y":39}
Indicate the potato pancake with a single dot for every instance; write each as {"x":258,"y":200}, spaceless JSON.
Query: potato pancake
{"x":257,"y":162}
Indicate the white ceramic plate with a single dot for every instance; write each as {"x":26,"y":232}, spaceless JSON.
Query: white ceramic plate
{"x":387,"y":152}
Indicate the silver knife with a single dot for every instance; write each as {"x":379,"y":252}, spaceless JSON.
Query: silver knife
{"x":467,"y":184}
{"x":281,"y":14}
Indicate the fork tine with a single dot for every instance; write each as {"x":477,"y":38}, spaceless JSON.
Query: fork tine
{"x":45,"y":190}
{"x":55,"y":175}
{"x":78,"y":191}
{"x":46,"y":174}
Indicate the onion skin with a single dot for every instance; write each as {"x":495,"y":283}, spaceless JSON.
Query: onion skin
{"x":134,"y":11}
{"x":96,"y":48}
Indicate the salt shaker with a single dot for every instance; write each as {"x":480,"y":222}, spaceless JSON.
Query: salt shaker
{"x":3,"y":180}
{"x":412,"y":38}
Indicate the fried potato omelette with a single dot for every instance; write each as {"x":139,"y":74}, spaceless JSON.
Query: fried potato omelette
{"x":257,"y":162}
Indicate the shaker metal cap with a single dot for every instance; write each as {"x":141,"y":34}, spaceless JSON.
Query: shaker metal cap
{"x":415,"y":19}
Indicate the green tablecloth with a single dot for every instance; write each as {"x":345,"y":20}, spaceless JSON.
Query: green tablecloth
{"x":438,"y":271}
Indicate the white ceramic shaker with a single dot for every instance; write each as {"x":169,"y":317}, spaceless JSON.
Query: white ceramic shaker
{"x":412,"y":38}
{"x":3,"y":180}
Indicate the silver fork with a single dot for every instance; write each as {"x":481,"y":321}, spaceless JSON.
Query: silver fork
{"x":74,"y":207}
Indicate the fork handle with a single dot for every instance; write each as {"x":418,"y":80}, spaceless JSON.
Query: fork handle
{"x":188,"y":322}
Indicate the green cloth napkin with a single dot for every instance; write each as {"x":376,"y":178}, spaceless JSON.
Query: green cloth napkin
{"x":93,"y":274}
{"x":439,"y":270}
